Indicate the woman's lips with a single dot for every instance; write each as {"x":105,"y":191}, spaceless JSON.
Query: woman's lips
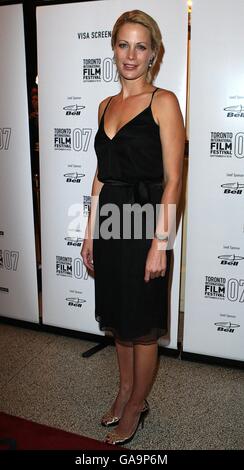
{"x":130,"y":66}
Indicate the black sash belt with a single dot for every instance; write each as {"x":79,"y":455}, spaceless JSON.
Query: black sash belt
{"x":141,"y":189}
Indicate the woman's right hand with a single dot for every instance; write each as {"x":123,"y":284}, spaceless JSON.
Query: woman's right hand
{"x":87,"y":253}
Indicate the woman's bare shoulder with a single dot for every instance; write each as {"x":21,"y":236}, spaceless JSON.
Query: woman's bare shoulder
{"x":166,"y":107}
{"x":165,"y":102}
{"x":165,"y":96}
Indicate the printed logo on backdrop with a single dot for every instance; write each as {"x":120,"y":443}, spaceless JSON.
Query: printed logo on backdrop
{"x":215,"y":287}
{"x":62,"y":138}
{"x":74,"y":177}
{"x":9,"y":260}
{"x":235,"y":111}
{"x":235,"y":290}
{"x":95,"y":34}
{"x":5,"y":133}
{"x":221,"y":144}
{"x":226,"y":327}
{"x":1,"y":233}
{"x":76,"y":302}
{"x":230,"y":260}
{"x":233,"y":188}
{"x":4,"y":289}
{"x":220,"y":288}
{"x":92,"y":70}
{"x":72,"y":139}
{"x":68,"y":139}
{"x":73,"y":110}
{"x":64,"y":266}
{"x":227,"y":144}
{"x":71,"y":267}
{"x":99,"y":70}
{"x":74,"y":241}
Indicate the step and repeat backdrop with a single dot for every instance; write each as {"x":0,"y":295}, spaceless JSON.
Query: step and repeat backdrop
{"x":214,"y":301}
{"x":76,"y":71}
{"x":18,"y":278}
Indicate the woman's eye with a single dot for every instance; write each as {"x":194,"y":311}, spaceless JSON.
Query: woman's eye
{"x":122,"y":45}
{"x":141,"y":47}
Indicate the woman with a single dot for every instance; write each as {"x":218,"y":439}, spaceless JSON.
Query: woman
{"x":139,"y":146}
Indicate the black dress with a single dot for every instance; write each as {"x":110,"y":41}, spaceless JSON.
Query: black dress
{"x":131,"y":167}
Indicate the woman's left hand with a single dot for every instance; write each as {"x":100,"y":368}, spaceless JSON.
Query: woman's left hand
{"x":156,"y":262}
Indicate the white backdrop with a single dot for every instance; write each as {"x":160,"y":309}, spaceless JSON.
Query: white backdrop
{"x":76,"y":72}
{"x":18,"y":280}
{"x":214,"y":302}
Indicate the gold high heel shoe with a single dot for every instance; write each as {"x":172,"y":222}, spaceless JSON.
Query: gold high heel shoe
{"x":110,"y":420}
{"x":117,"y":439}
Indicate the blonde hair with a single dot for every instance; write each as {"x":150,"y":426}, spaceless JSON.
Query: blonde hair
{"x":140,"y":17}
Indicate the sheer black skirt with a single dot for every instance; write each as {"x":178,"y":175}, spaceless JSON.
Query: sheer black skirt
{"x":135,"y":311}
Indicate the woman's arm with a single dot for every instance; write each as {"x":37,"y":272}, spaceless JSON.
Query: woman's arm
{"x":167,"y":114}
{"x":172,"y":135}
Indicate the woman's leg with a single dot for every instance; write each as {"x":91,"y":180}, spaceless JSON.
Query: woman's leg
{"x":145,"y":366}
{"x":125,"y":359}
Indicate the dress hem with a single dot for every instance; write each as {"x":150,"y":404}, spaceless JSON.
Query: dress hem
{"x":142,"y":339}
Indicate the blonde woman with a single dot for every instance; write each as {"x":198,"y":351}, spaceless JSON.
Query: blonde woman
{"x":139,"y":146}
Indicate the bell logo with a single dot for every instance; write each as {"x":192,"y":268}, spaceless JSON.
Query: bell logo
{"x":233,"y":188}
{"x":235,"y":111}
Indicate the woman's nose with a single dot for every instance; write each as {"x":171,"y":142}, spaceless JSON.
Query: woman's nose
{"x":131,"y":53}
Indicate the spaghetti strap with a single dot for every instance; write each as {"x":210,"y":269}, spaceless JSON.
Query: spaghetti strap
{"x":153,"y":95}
{"x":106,"y":106}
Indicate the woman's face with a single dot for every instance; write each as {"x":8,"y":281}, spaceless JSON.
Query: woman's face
{"x":133,"y":50}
